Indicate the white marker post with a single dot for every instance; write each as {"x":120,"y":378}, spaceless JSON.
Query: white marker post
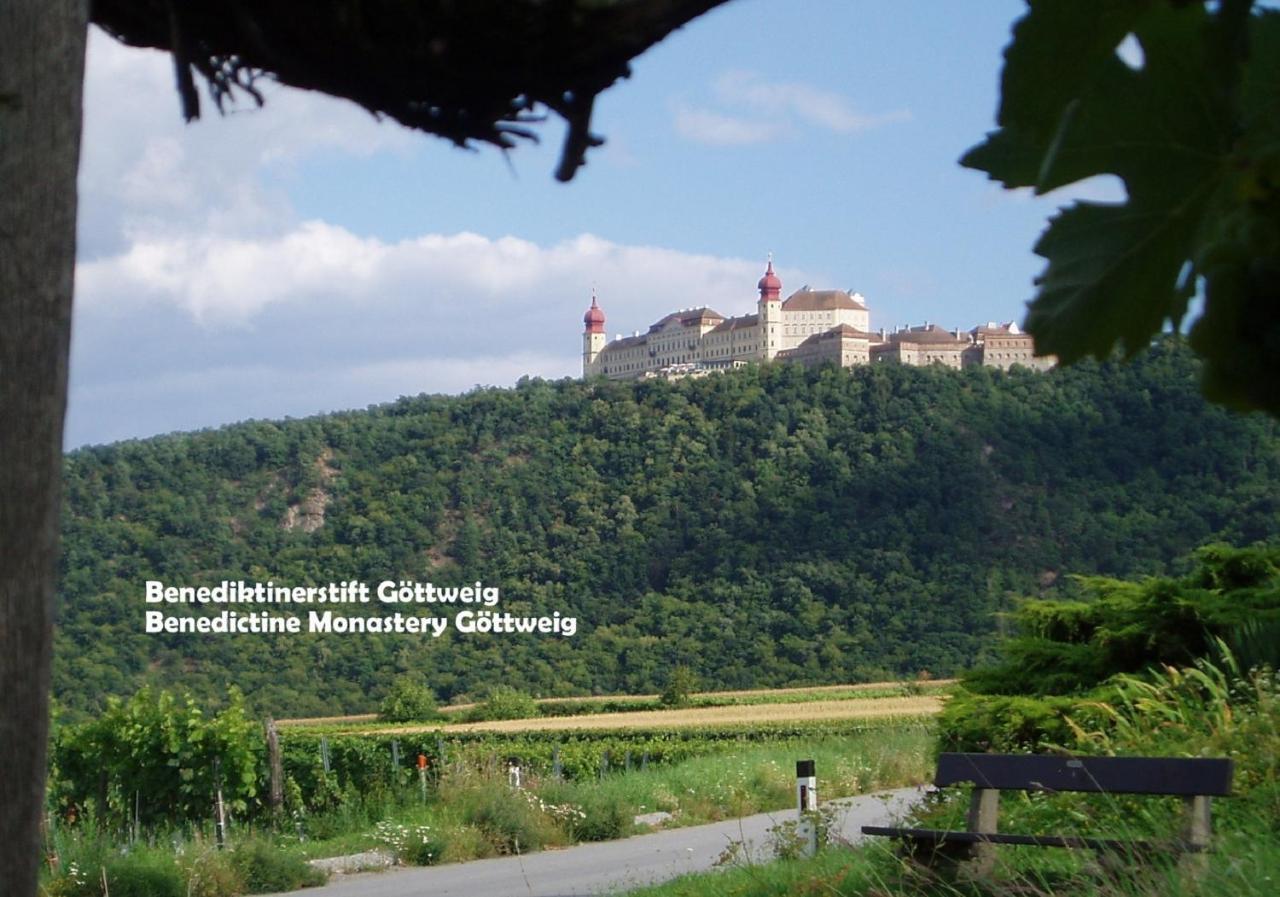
{"x":219,"y":810}
{"x":807,"y":806}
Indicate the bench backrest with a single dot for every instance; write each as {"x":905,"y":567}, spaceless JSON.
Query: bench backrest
{"x":1115,"y":775}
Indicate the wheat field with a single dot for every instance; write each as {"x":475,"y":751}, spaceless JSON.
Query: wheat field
{"x":850,"y":709}
{"x":769,"y":696}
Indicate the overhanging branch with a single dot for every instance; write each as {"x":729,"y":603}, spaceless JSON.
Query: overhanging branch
{"x":465,"y":70}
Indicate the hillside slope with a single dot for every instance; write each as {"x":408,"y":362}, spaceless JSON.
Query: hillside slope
{"x":767,"y":527}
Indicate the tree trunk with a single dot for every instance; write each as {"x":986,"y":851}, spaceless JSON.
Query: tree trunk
{"x":41,"y":72}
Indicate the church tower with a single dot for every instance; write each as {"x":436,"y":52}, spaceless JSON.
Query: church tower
{"x":592,"y":336}
{"x":770,"y":313}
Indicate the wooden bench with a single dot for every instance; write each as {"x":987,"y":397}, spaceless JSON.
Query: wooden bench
{"x":1196,"y":781}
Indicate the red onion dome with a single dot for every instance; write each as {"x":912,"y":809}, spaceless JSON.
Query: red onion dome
{"x":770,"y":286}
{"x":594,"y":318}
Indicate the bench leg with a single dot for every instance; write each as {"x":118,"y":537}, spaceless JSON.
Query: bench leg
{"x":984,"y":810}
{"x":1197,"y":829}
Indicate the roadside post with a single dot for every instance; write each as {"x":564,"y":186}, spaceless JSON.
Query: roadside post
{"x":807,"y":807}
{"x":422,"y":775}
{"x":275,"y":796}
{"x":220,"y":814}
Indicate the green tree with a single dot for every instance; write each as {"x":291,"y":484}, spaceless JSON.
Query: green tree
{"x":505,"y":702}
{"x":409,"y":701}
{"x":681,"y":683}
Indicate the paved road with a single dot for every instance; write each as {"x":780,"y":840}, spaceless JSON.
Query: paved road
{"x":608,"y":867}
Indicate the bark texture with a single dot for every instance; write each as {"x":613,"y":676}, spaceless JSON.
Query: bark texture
{"x":41,"y":70}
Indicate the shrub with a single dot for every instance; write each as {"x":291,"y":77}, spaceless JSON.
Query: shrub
{"x":209,"y":872}
{"x":1069,"y":647}
{"x":145,"y":873}
{"x":1016,"y":723}
{"x":681,"y":684}
{"x":507,"y":819}
{"x":605,"y":817}
{"x":466,"y":842}
{"x":408,"y":701}
{"x":504,"y":702}
{"x":511,"y":820}
{"x":265,"y":868}
{"x":75,"y":881}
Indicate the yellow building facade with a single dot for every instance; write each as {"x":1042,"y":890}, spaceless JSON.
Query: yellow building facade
{"x":809,"y":327}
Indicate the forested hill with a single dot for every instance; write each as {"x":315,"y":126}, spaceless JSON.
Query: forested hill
{"x":770,"y":526}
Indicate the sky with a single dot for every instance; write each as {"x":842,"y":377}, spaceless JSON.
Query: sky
{"x":303,"y":257}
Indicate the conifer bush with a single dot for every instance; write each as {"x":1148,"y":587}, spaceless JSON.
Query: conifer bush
{"x":1068,"y":655}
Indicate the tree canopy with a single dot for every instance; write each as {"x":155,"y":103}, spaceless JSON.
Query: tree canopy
{"x":766,"y":527}
{"x":477,"y":71}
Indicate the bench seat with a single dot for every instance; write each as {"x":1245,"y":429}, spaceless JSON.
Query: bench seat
{"x":1110,"y":845}
{"x":1196,"y":780}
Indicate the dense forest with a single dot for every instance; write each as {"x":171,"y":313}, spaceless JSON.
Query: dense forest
{"x":766,"y":527}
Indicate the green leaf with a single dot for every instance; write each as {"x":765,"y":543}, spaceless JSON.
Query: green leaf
{"x":1054,"y":58}
{"x":1072,"y":110}
{"x":1010,"y":155}
{"x":1098,"y":253}
{"x":1162,"y":128}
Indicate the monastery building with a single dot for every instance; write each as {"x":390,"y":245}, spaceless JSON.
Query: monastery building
{"x":809,"y":327}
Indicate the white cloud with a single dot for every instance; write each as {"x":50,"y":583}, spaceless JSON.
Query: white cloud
{"x":718,"y":129}
{"x":802,"y":102}
{"x":145,"y":172}
{"x":221,"y":281}
{"x":220,"y":328}
{"x":203,"y":298}
{"x":753,"y":110}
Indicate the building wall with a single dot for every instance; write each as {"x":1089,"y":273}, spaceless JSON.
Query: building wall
{"x":798,"y":326}
{"x":723,"y":348}
{"x":703,"y":339}
{"x":844,"y":351}
{"x":1004,"y":352}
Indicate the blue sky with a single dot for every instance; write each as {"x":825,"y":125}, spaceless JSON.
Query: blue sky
{"x":304,"y":258}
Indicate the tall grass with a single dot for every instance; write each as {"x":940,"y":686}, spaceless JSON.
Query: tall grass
{"x":90,"y":865}
{"x":762,"y":777}
{"x":1213,"y":708}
